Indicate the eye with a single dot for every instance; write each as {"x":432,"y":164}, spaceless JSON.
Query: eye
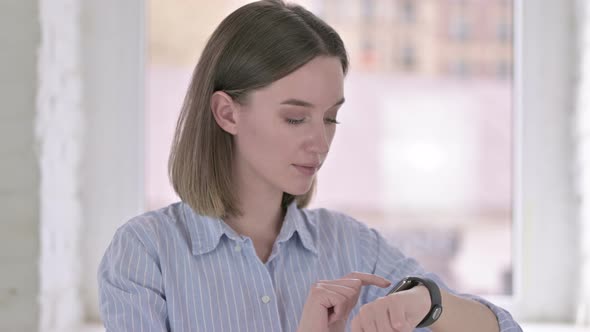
{"x":295,"y":121}
{"x":331,"y":120}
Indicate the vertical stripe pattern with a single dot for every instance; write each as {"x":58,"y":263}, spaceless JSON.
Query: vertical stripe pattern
{"x":175,"y":270}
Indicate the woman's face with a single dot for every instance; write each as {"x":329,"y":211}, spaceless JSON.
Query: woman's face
{"x":285,"y":130}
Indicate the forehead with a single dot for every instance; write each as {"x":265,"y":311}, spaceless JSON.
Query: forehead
{"x":319,"y":82}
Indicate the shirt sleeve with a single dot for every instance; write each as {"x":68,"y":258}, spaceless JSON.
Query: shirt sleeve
{"x":131,"y":295}
{"x":383,"y":259}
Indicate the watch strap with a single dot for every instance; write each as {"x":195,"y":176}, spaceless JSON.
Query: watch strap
{"x":435,"y":297}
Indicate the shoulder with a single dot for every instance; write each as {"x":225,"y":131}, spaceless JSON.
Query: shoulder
{"x":169,"y":216}
{"x":327,"y":220}
{"x":337,"y":226}
{"x":149,"y":228}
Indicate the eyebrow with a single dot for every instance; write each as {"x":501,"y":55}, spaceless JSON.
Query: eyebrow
{"x":303,"y":103}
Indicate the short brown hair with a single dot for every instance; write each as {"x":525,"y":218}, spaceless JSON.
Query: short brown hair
{"x":254,"y":46}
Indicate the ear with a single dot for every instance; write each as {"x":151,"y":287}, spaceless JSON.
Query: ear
{"x":225,"y":111}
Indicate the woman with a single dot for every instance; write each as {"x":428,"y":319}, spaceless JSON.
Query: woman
{"x":240,"y":252}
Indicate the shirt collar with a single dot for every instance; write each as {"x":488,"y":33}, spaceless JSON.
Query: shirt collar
{"x":205,"y":232}
{"x":296,"y":222}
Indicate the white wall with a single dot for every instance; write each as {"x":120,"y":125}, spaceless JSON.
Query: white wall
{"x":19,"y":171}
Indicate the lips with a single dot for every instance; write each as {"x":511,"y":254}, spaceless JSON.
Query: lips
{"x":307,"y":169}
{"x":309,"y":165}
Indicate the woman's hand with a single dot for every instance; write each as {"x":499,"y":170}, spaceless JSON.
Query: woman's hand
{"x":329,"y":302}
{"x":398,"y":312}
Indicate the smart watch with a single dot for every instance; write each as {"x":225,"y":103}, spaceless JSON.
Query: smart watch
{"x":435,"y":297}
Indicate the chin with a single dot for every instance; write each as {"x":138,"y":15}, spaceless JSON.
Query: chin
{"x":298,"y":190}
{"x":296,"y":193}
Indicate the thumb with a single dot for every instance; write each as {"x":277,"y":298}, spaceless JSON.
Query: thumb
{"x":369,"y":279}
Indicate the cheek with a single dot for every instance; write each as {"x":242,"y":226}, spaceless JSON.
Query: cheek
{"x":330,"y":133}
{"x":266,"y":139}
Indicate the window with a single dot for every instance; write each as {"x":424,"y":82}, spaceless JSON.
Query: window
{"x":459,"y":29}
{"x":430,"y":154}
{"x":459,"y":68}
{"x":504,"y":70}
{"x":408,"y":11}
{"x":430,"y":150}
{"x":368,"y":10}
{"x":408,"y":58}
{"x":503,"y":32}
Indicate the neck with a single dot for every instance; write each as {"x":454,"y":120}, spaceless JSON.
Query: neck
{"x":259,"y":217}
{"x":261,"y":212}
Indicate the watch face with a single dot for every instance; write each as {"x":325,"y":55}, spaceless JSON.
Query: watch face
{"x":403,"y":285}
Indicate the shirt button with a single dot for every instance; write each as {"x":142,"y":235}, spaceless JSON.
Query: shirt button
{"x":266,"y":299}
{"x":237,"y":248}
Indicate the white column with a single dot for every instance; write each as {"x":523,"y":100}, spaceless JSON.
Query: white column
{"x":90,"y":129}
{"x":112,"y":170}
{"x":60,"y":132}
{"x":545,"y":196}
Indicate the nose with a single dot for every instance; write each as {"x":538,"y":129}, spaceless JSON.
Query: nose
{"x":320,"y":139}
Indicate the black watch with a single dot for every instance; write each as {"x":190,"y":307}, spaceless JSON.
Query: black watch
{"x":435,"y":297}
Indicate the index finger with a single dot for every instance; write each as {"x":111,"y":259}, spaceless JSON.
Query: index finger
{"x":369,"y":279}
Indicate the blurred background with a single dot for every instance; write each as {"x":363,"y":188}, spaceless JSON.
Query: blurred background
{"x":424,"y":152}
{"x":463,"y":141}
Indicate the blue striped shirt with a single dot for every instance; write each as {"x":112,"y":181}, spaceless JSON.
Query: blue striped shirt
{"x":175,"y":270}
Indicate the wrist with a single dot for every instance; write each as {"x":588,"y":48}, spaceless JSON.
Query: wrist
{"x":423,"y":301}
